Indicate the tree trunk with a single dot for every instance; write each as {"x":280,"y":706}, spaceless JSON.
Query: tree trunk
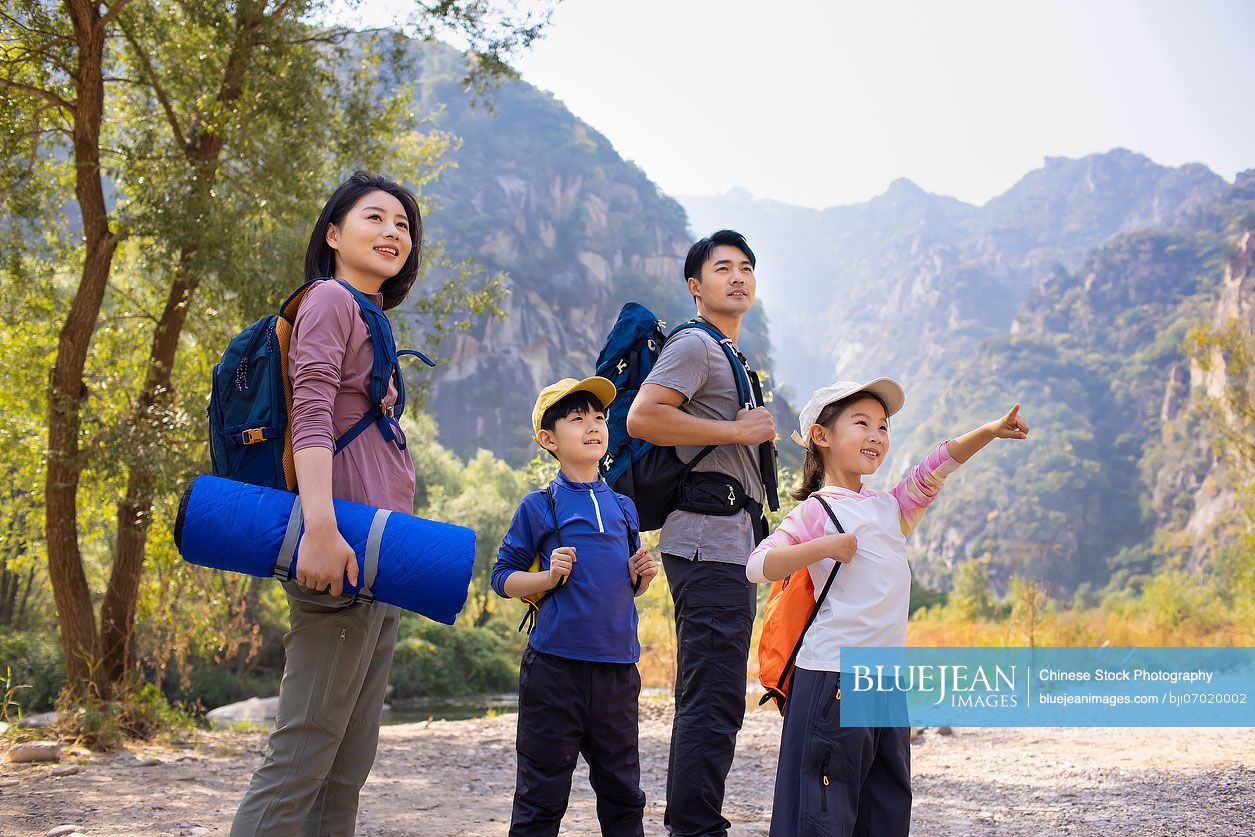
{"x":117,"y":612}
{"x":66,"y":390}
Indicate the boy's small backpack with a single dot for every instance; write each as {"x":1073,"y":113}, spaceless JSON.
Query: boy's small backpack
{"x":250,"y":439}
{"x":535,"y":600}
{"x":653,"y":475}
{"x":791,"y":608}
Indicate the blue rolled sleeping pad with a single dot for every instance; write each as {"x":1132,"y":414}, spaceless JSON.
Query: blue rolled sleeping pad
{"x":417,"y":564}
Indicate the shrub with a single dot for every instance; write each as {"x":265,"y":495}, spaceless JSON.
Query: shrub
{"x":435,"y":660}
{"x":38,"y":663}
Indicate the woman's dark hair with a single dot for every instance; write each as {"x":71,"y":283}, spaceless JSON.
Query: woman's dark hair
{"x":813,"y":463}
{"x":320,"y":258}
{"x":700,"y":252}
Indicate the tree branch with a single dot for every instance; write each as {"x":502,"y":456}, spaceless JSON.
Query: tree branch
{"x":158,"y":91}
{"x":112,"y":13}
{"x":38,"y":91}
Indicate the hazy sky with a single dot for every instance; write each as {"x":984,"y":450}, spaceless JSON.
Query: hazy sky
{"x":824,"y":103}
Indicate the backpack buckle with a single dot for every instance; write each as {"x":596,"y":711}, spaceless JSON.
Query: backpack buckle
{"x":254,"y":435}
{"x":387,"y":411}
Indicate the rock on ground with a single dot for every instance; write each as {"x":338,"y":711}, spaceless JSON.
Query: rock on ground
{"x":35,"y":751}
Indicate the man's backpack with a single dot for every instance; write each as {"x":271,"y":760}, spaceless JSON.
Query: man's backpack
{"x":791,"y":608}
{"x":652,"y":475}
{"x":250,"y":439}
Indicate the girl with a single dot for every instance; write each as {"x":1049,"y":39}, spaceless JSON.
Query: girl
{"x":338,"y":651}
{"x":854,"y":780}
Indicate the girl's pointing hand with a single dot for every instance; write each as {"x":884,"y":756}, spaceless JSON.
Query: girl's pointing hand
{"x":1011,"y":426}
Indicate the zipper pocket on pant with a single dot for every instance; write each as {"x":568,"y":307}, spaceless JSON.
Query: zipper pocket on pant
{"x":335,"y":661}
{"x":823,"y":775}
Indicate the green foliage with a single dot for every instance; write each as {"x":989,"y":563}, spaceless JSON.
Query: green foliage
{"x":34,"y":660}
{"x":440,"y":660}
{"x":969,"y":593}
{"x":922,"y":598}
{"x":138,"y":711}
{"x":210,"y":686}
{"x":482,"y":494}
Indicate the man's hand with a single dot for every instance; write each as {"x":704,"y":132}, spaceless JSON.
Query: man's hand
{"x":641,"y":566}
{"x":323,"y":559}
{"x":560,"y":561}
{"x":755,"y":426}
{"x":1010,"y":426}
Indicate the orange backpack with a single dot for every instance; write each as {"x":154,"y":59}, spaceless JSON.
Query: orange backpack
{"x":791,"y":608}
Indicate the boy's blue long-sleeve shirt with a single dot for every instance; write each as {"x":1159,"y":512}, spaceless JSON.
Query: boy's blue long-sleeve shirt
{"x":593,"y":616}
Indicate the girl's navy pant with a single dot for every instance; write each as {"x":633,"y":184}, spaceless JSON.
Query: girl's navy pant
{"x":834,"y":780}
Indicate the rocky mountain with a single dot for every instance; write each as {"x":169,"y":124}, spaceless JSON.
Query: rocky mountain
{"x":544,"y":197}
{"x":1072,"y":293}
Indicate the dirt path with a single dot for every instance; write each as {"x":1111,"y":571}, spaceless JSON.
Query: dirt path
{"x":457,"y":778}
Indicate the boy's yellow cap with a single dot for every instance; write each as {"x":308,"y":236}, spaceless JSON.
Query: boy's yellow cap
{"x":601,"y":388}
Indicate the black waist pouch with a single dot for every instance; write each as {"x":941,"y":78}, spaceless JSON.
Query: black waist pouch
{"x":709,"y":492}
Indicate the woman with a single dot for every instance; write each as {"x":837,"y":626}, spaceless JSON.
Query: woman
{"x":338,"y":651}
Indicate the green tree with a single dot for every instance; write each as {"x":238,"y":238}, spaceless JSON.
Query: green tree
{"x":969,"y":597}
{"x":219,"y":123}
{"x":486,"y":493}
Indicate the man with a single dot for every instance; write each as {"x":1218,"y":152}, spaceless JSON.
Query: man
{"x":690,"y":401}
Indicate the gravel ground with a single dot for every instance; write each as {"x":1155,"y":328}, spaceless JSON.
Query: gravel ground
{"x":457,"y":777}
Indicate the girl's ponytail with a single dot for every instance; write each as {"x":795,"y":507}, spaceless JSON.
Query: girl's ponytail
{"x":812,"y":473}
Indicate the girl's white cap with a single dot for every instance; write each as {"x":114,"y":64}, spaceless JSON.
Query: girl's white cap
{"x":887,"y":389}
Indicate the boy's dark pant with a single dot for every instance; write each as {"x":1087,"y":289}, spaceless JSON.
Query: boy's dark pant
{"x":568,"y":707}
{"x":714,"y":614}
{"x":835,"y":780}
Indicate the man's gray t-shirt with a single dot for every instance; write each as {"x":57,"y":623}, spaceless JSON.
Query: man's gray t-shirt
{"x":693,"y":364}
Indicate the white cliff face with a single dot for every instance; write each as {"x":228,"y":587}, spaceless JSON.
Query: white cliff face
{"x":1211,"y":495}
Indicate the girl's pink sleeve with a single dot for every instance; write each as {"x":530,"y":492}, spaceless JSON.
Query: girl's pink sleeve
{"x":805,"y":522}
{"x":918,"y":488}
{"x":320,"y":338}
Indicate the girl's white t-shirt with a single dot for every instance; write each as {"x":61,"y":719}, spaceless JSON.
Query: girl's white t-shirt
{"x":870,"y":597}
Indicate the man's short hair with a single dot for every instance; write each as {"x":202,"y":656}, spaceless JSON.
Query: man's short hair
{"x":700,"y":252}
{"x":580,"y":401}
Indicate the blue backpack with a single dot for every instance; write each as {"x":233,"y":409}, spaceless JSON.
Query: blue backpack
{"x":654,"y":476}
{"x":250,"y":439}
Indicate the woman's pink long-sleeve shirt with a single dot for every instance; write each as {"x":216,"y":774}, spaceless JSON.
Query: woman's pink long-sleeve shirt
{"x":330,"y":362}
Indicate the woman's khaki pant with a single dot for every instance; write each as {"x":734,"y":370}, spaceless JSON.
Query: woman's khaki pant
{"x":324,"y":741}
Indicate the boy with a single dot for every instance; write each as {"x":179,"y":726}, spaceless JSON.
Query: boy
{"x":578,"y":683}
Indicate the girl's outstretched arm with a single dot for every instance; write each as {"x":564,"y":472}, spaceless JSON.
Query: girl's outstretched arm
{"x":1010,"y":426}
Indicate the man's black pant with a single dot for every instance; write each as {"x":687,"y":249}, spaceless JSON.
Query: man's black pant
{"x":568,"y":707}
{"x":842,"y":781}
{"x":714,"y":614}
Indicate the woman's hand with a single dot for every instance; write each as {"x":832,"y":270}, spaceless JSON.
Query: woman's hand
{"x":324,"y":557}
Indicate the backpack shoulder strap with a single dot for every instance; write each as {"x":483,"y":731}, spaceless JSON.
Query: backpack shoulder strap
{"x":736,"y":360}
{"x":633,"y":536}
